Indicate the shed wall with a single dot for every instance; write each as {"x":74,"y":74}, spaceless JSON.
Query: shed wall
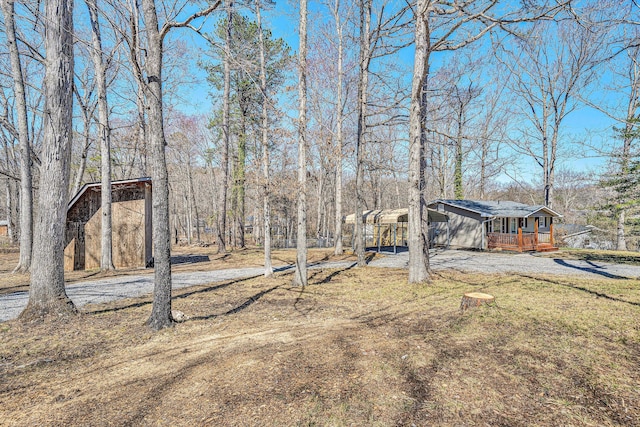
{"x":128,"y":238}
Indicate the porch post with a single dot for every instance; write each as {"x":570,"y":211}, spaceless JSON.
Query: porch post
{"x":535,"y":232}
{"x":520,"y":234}
{"x":551,"y":230}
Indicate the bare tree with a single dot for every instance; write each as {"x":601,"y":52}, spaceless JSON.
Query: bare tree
{"x":226,"y":132}
{"x":300,"y":276}
{"x":47,"y":293}
{"x":549,"y":70}
{"x":264,"y":129}
{"x":26,"y":195}
{"x":104,"y":130}
{"x":363,"y":83}
{"x":339,"y":131}
{"x":445,"y":26}
{"x":161,"y":311}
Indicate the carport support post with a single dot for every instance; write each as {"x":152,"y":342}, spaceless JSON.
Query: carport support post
{"x":395,"y":238}
{"x":551,"y":230}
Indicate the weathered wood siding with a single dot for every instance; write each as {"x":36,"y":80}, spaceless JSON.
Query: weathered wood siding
{"x":128,"y":236}
{"x":131,"y":219}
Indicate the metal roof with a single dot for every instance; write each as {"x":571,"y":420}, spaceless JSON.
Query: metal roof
{"x":498,"y":209}
{"x":392,"y":216}
{"x":98,"y":185}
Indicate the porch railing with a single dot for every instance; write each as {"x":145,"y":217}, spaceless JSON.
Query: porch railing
{"x":502,"y":240}
{"x":512,"y":241}
{"x":544,"y":237}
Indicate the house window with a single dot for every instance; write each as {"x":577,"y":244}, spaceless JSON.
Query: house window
{"x":526,"y":223}
{"x":514,"y":225}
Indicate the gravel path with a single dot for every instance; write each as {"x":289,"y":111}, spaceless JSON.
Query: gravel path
{"x":111,"y":289}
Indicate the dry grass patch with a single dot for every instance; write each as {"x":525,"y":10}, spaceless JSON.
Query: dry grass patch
{"x":356,"y":347}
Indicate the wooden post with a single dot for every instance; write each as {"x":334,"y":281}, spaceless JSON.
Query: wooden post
{"x":395,"y":238}
{"x":535,"y":232}
{"x":520,"y":234}
{"x":551,"y":230}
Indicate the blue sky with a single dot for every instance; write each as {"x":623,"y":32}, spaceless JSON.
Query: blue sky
{"x":586,"y":124}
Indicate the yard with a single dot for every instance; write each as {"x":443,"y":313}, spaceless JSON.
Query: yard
{"x":356,"y":347}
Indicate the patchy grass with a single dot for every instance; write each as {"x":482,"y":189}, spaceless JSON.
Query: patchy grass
{"x":356,"y":347}
{"x":184,"y":258}
{"x":614,"y":257}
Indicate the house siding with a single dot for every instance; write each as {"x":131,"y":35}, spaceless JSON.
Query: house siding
{"x":465,"y":229}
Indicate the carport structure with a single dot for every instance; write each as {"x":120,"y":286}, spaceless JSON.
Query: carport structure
{"x":388,"y":227}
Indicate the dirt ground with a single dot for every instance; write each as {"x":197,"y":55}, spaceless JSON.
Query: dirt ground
{"x":355,"y":347}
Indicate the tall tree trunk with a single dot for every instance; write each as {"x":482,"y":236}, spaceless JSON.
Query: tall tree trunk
{"x":226,"y":131}
{"x":457,"y":176}
{"x":621,"y":243}
{"x":625,"y":156}
{"x":9,"y":199}
{"x":418,"y":245}
{"x":47,"y":293}
{"x":240,"y":175}
{"x":266,"y":192}
{"x":83,"y":160}
{"x":300,"y":277}
{"x":363,"y":82}
{"x":339,"y":119}
{"x":26,"y":195}
{"x":135,"y":58}
{"x":161,"y":311}
{"x":106,"y":260}
{"x":192,"y":199}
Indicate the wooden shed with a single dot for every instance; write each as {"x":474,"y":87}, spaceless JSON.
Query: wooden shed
{"x":131,"y":225}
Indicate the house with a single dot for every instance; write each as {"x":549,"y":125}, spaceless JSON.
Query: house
{"x":580,"y":236}
{"x":388,"y":227}
{"x":131,"y":225}
{"x":475,"y":224}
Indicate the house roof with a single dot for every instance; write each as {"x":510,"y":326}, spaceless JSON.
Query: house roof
{"x":98,"y":185}
{"x":392,"y":216}
{"x":498,"y":209}
{"x":569,"y":230}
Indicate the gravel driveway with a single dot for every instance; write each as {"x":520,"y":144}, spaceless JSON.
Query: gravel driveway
{"x":105,"y":290}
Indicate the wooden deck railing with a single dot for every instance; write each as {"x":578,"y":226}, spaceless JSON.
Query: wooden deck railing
{"x":544,"y":237}
{"x":512,"y":241}
{"x":502,"y":240}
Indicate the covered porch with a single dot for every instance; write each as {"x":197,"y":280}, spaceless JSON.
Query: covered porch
{"x":531,"y":233}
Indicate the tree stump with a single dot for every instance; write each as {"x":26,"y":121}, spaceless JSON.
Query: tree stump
{"x":475,"y":299}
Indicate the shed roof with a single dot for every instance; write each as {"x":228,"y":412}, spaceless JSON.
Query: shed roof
{"x":392,"y":216}
{"x":499,"y":209}
{"x":120,"y":183}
